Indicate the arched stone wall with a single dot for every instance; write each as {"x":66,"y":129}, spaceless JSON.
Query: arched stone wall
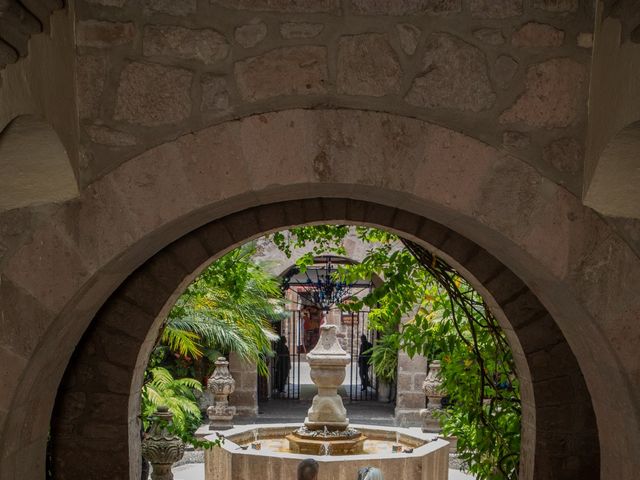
{"x":99,"y":399}
{"x":55,"y":281}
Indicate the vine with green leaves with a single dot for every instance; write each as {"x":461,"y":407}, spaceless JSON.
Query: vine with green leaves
{"x":425,"y":307}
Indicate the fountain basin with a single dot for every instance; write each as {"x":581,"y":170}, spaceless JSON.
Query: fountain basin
{"x":235,"y":459}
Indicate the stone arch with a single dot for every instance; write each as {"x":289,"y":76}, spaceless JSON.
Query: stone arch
{"x":550,"y":243}
{"x":34,"y":166}
{"x":107,"y":369}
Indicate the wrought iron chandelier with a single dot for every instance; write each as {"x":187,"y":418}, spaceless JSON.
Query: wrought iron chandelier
{"x":317,"y":285}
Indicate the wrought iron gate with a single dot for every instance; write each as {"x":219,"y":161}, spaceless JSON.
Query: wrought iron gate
{"x":288,"y":366}
{"x":285,"y":366}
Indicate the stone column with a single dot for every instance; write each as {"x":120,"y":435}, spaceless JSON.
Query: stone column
{"x":410,"y":397}
{"x":245,"y":395}
{"x":161,"y":448}
{"x":432,"y":387}
{"x":221,"y":384}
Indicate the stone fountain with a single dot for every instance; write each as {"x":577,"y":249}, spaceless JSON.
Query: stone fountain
{"x":273,"y":451}
{"x":326,"y":424}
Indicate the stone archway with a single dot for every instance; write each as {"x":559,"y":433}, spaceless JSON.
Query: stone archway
{"x":99,"y":398}
{"x":411,"y":170}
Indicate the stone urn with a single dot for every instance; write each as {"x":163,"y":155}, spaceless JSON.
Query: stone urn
{"x":327,"y":362}
{"x":221,"y":384}
{"x":432,"y":387}
{"x":161,"y":448}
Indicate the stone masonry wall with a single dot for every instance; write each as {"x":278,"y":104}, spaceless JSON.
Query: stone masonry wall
{"x":512,"y":73}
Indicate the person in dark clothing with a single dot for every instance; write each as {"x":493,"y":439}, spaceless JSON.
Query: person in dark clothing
{"x":308,"y":469}
{"x":283,"y":364}
{"x":363,"y":361}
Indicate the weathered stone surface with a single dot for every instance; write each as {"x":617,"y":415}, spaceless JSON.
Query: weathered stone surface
{"x":367,"y":65}
{"x":215,"y":95}
{"x":585,"y":40}
{"x":535,"y":34}
{"x":93,"y":33}
{"x":515,"y":139}
{"x":504,"y":70}
{"x":404,"y":7}
{"x":250,"y":34}
{"x":284,"y":71}
{"x":152,"y":95}
{"x":108,"y":3}
{"x":455,"y":76}
{"x":565,"y":154}
{"x":553,"y":91}
{"x":91,"y":71}
{"x":108,"y":136}
{"x":7,"y":54}
{"x":491,"y":36}
{"x":556,"y":5}
{"x":495,"y":8}
{"x":171,"y":7}
{"x":409,"y":35}
{"x":205,"y":45}
{"x":300,"y":29}
{"x":308,"y":6}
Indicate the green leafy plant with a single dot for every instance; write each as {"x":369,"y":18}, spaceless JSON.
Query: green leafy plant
{"x":425,"y":308}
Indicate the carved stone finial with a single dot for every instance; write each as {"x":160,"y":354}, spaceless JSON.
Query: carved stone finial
{"x":221,"y":384}
{"x":161,"y":448}
{"x":432,"y":387}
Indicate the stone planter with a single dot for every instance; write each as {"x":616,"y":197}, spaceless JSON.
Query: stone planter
{"x":432,"y":387}
{"x":161,"y":448}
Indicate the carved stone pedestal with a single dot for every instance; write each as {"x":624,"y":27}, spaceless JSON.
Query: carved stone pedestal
{"x":432,"y":388}
{"x":221,"y":384}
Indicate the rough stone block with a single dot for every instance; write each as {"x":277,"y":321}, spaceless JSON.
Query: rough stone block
{"x":535,"y":34}
{"x":409,"y":35}
{"x":205,"y":45}
{"x":300,"y":29}
{"x":565,"y":154}
{"x":556,"y":5}
{"x":251,"y":34}
{"x":456,"y":76}
{"x":404,"y":7}
{"x":215,"y":96}
{"x":171,"y":7}
{"x":504,"y":70}
{"x":495,"y":8}
{"x":299,"y":6}
{"x":490,"y":36}
{"x":91,"y":71}
{"x":552,"y":97}
{"x":153,"y":95}
{"x":104,"y":135}
{"x":93,"y":33}
{"x":367,"y":65}
{"x":284,"y":71}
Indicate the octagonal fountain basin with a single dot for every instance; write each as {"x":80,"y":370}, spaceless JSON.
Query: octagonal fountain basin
{"x":399,"y":452}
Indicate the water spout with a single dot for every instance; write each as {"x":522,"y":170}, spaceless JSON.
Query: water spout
{"x":326,"y":449}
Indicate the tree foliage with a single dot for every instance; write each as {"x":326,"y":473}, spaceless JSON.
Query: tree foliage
{"x":227,"y":308}
{"x":428,"y":309}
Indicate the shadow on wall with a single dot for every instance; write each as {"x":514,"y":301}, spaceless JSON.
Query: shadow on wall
{"x":34,"y":166}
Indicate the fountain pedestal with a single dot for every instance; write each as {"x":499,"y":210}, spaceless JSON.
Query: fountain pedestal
{"x":326,"y":422}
